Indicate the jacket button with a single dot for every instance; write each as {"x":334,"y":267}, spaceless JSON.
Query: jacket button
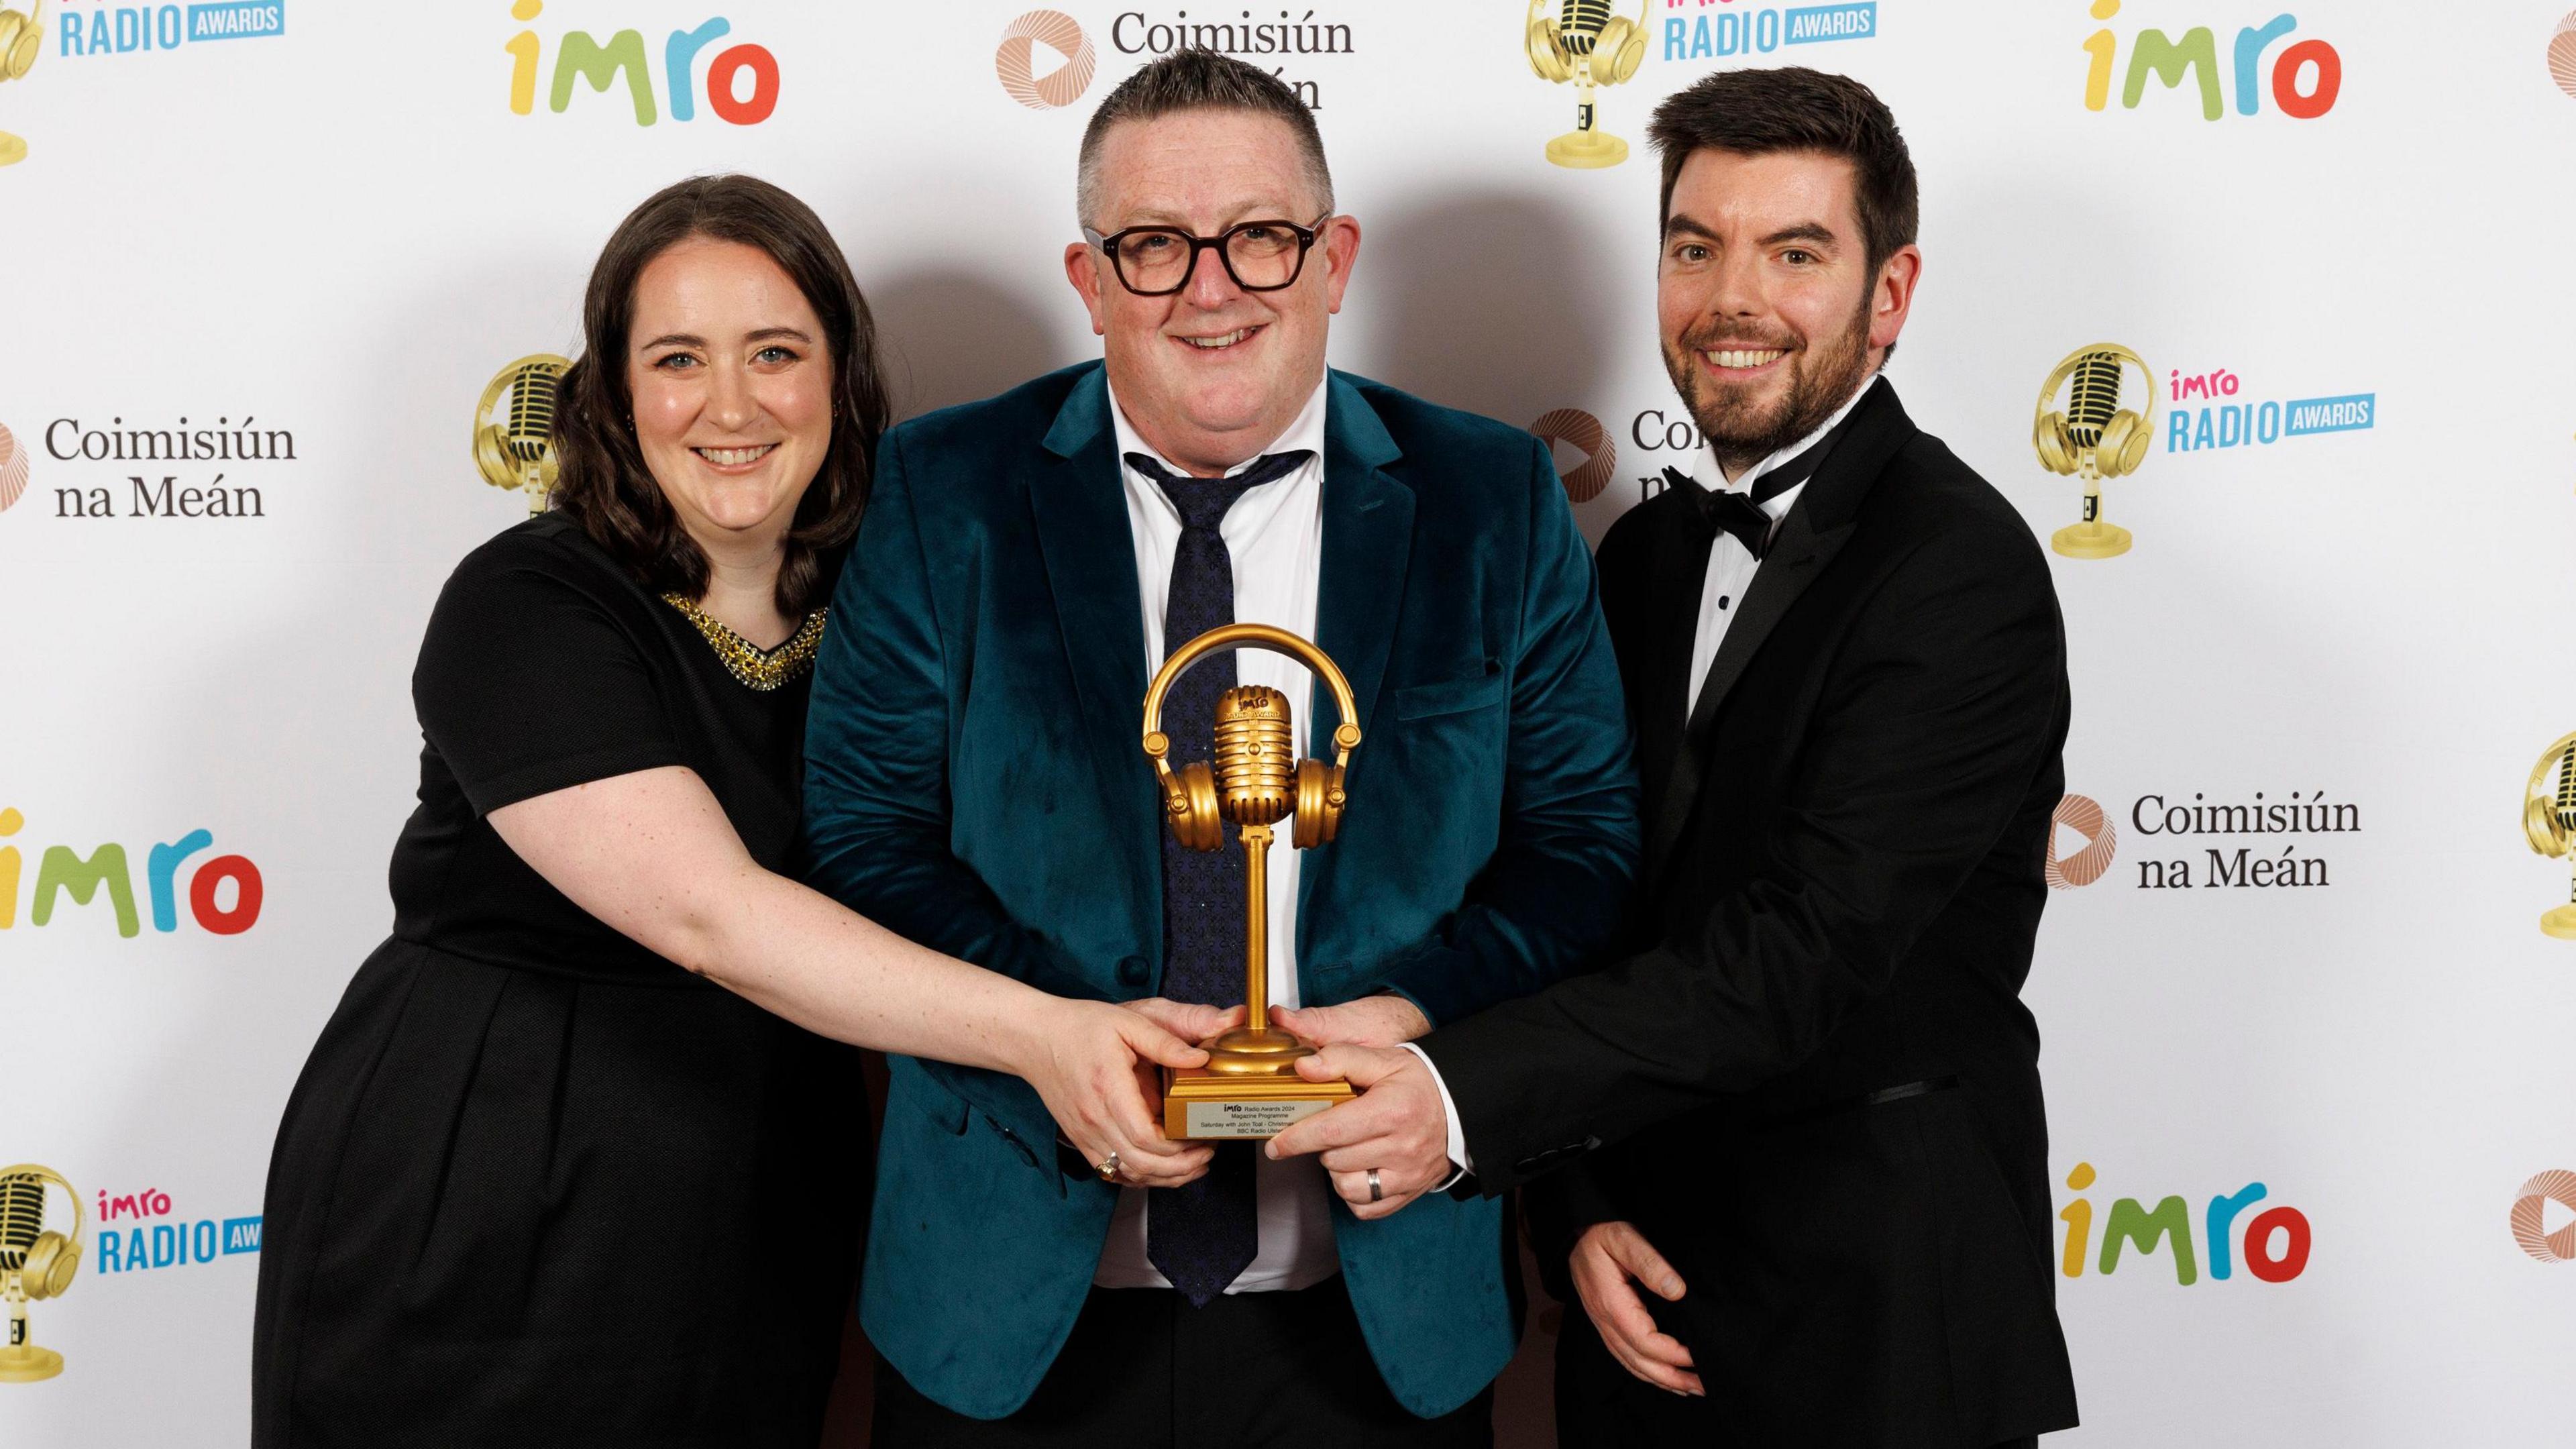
{"x":1133,"y":972}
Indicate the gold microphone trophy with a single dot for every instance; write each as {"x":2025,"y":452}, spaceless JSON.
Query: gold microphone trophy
{"x":22,"y":39}
{"x":1250,"y":1086}
{"x":2549,"y":823}
{"x":2094,"y":437}
{"x":34,"y":1264}
{"x":518,"y":450}
{"x":1586,"y":44}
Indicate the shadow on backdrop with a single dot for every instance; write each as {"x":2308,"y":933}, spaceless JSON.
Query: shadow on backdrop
{"x":952,"y":336}
{"x":1489,"y":301}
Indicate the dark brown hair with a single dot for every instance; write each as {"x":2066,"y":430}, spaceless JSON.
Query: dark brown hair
{"x":603,"y":483}
{"x":1757,"y":112}
{"x":1199,"y":80}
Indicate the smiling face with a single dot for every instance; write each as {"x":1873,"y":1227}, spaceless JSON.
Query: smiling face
{"x":1771,"y":314}
{"x":732,"y":390}
{"x":1211,"y":374}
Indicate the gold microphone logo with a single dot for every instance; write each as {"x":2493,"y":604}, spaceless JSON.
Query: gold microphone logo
{"x":1584,"y":43}
{"x":22,"y":39}
{"x":1016,"y":60}
{"x":35,"y":1264}
{"x":1583,"y":432}
{"x":2094,"y":438}
{"x":13,"y":469}
{"x":2549,"y":822}
{"x":514,"y":445}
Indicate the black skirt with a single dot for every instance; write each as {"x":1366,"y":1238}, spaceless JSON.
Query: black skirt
{"x":514,"y":1209}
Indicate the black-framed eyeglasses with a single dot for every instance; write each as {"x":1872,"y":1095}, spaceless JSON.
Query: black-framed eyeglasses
{"x":1261,"y":256}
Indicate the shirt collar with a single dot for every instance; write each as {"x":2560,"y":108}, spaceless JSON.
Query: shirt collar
{"x":1707,"y":474}
{"x":1305,"y":431}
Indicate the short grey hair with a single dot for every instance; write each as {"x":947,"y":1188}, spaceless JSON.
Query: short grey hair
{"x":1199,"y":80}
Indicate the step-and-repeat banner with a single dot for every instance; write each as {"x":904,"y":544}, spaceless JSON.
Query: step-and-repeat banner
{"x":2292,"y":282}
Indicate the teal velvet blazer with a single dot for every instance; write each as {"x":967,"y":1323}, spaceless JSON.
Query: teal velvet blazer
{"x":973,"y":780}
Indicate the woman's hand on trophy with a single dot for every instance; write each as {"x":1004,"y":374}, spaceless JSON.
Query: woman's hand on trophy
{"x":1089,"y":1066}
{"x":1373,"y":1021}
{"x":1188,"y":1020}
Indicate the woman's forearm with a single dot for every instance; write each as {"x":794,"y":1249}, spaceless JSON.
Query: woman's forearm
{"x":652,"y":855}
{"x":790,"y":949}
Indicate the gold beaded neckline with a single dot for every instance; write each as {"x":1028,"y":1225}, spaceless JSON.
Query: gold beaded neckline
{"x":761,"y":669}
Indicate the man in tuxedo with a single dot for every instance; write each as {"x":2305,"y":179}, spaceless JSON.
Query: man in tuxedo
{"x":1802,"y":1109}
{"x":974,"y":780}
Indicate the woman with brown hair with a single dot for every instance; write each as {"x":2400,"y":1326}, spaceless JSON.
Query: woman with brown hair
{"x":581,"y":1158}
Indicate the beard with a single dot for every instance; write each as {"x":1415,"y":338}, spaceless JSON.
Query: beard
{"x":1742,"y":431}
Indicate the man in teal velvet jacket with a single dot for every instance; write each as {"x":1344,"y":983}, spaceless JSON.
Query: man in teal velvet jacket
{"x":974,"y":780}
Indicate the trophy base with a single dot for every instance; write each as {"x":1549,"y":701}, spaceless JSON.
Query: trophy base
{"x":2560,"y":923}
{"x":1587,"y":150}
{"x":1201,"y":1104}
{"x":26,"y":1364}
{"x":2090,"y":540}
{"x":13,"y":149}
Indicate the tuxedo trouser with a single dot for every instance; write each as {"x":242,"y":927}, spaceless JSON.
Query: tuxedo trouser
{"x":1145,"y":1370}
{"x":1600,"y":1405}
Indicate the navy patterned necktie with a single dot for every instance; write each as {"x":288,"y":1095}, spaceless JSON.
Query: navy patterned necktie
{"x":1203,"y":1235}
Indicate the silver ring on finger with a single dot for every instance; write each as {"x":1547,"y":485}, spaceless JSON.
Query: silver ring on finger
{"x":1377,"y":1190}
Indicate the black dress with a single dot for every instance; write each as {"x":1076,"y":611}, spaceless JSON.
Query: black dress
{"x":537,"y":1185}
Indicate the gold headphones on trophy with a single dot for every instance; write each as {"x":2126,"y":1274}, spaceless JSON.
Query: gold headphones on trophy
{"x":2094,"y":428}
{"x":1614,"y":44}
{"x":1251,"y":781}
{"x":22,"y":39}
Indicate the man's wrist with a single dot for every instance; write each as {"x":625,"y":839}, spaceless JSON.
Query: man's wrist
{"x":1457,"y":1146}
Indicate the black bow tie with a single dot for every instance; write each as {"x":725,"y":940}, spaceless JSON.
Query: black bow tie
{"x":1728,"y":509}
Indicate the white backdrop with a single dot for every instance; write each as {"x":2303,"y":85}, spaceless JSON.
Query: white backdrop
{"x":342,"y":229}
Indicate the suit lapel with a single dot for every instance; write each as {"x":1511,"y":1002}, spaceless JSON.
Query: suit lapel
{"x":1368,"y":545}
{"x":1816,"y":529}
{"x":1678,"y":570}
{"x":1083,"y":534}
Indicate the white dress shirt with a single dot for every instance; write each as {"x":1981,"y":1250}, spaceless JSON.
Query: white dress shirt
{"x":1730,"y":564}
{"x":1275,"y":536}
{"x":1730,"y":572}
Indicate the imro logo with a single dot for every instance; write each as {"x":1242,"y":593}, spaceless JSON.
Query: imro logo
{"x":741,"y":81}
{"x":2303,"y":77}
{"x":2533,"y":1207}
{"x":1060,"y":75}
{"x":2227,"y":419}
{"x":1582,"y":432}
{"x":2079,"y":821}
{"x":140,"y":1246}
{"x":2274,"y":1243}
{"x":224,"y":892}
